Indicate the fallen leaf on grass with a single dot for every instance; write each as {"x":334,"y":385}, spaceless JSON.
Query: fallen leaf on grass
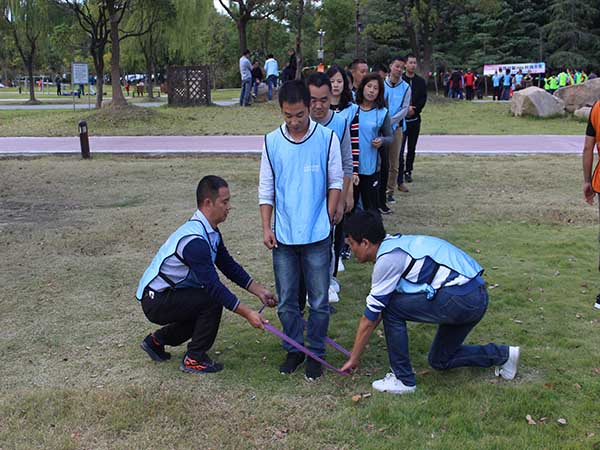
{"x":356,"y":398}
{"x":592,"y":434}
{"x":577,"y":386}
{"x":597,"y":370}
{"x":557,"y":273}
{"x":423,"y":372}
{"x":579,"y":316}
{"x":549,"y":385}
{"x":517,"y":321}
{"x":494,"y":286}
{"x":543,"y":419}
{"x":530,"y":420}
{"x":380,"y":333}
{"x":280,"y":434}
{"x":562,"y":421}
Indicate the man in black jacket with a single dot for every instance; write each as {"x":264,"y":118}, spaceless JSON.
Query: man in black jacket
{"x":413,"y":118}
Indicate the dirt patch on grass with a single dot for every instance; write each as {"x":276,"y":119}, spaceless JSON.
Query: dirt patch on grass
{"x":119,"y":115}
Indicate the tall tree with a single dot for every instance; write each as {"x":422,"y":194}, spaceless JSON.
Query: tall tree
{"x":244,"y":11}
{"x":27,"y":23}
{"x":337,"y":19}
{"x":94,"y":20}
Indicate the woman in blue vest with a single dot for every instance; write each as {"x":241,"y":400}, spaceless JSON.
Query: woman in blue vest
{"x":181,"y":290}
{"x":422,"y":279}
{"x":374,"y":132}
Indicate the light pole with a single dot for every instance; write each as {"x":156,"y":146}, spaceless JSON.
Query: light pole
{"x":358,"y":30}
{"x":321,"y":34}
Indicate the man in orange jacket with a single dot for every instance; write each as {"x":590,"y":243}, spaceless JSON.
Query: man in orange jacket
{"x":591,"y":181}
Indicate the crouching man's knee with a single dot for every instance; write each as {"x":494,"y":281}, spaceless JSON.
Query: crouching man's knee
{"x":437,"y":362}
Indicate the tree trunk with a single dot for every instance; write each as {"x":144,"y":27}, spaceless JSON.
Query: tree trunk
{"x":98,"y":58}
{"x":299,"y":57}
{"x":29,"y":64}
{"x":149,"y":84}
{"x":242,"y":25}
{"x":115,"y":60}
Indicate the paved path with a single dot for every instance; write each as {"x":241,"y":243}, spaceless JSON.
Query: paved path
{"x":85,"y":106}
{"x":161,"y":145}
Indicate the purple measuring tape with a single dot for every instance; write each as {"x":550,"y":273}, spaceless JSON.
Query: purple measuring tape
{"x":270,"y":328}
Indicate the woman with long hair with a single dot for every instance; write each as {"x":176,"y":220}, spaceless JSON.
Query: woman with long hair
{"x":375,"y":132}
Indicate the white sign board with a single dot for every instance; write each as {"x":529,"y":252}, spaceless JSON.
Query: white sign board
{"x":539,"y":67}
{"x":79,"y":73}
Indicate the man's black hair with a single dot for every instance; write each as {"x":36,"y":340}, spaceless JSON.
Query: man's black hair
{"x":356,"y":62}
{"x":270,"y":55}
{"x":294,"y":91}
{"x":411,"y":55}
{"x":380,"y":68}
{"x":246,"y":52}
{"x":365,"y":225}
{"x":209,"y":188}
{"x":397,"y":58}
{"x":319,"y":79}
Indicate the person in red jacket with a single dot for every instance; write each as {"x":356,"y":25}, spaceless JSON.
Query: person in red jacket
{"x":469,"y":84}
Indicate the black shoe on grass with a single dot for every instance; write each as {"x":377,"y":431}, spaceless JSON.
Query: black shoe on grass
{"x":291,"y":363}
{"x":155,"y":349}
{"x":207,"y":365}
{"x":313,"y":370}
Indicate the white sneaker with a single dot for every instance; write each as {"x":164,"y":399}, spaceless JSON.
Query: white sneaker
{"x":334,"y":284}
{"x":333,"y":296}
{"x":508,"y":370}
{"x":392,"y":385}
{"x":341,"y":267}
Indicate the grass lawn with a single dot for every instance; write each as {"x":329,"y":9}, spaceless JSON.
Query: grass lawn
{"x":76,"y":236}
{"x":439,"y":117}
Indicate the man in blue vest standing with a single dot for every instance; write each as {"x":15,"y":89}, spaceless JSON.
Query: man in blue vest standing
{"x":422,"y":279}
{"x":300,"y":183}
{"x":397,"y":96}
{"x":182,"y":291}
{"x":272,"y":73}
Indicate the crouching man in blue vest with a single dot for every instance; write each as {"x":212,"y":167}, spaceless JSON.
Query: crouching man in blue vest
{"x":422,"y":279}
{"x":182,"y":291}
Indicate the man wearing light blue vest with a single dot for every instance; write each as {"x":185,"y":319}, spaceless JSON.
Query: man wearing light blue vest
{"x":397,"y":95}
{"x":300,"y":184}
{"x":422,"y":279}
{"x":181,"y":290}
{"x":272,"y":73}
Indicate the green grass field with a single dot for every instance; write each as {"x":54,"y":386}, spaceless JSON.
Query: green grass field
{"x":440,"y":116}
{"x":76,"y":236}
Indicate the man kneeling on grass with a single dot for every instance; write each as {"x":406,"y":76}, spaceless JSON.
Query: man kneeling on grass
{"x":181,"y":289}
{"x":422,"y":279}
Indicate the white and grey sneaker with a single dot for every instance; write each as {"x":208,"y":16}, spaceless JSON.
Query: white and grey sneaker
{"x":335,"y":284}
{"x":508,"y":370}
{"x":392,"y":385}
{"x":333,"y":296}
{"x":341,"y":267}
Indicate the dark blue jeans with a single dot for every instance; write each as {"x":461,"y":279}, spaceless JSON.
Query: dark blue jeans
{"x":312,"y":260}
{"x":456,"y":315}
{"x":271,"y":82}
{"x":245,"y":92}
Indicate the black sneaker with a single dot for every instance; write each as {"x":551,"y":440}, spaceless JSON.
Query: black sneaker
{"x":390,"y":199}
{"x":291,"y":363}
{"x":207,"y":365}
{"x":384,"y":210}
{"x":408,"y":177}
{"x":313,"y":370}
{"x":597,"y":304}
{"x":155,"y":349}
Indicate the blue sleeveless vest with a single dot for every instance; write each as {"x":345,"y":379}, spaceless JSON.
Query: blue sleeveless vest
{"x":300,"y":178}
{"x":182,"y":276}
{"x":348,"y":113}
{"x":394,"y":96}
{"x":437,"y":255}
{"x":338,"y":125}
{"x":369,"y":124}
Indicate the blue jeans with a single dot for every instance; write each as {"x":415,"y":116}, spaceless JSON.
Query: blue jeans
{"x":312,"y":260}
{"x":456,"y":315}
{"x":271,"y":81}
{"x":245,"y":92}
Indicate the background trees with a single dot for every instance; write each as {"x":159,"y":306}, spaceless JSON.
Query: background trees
{"x":145,"y":36}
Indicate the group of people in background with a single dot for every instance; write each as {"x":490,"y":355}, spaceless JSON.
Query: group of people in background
{"x":460,"y":85}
